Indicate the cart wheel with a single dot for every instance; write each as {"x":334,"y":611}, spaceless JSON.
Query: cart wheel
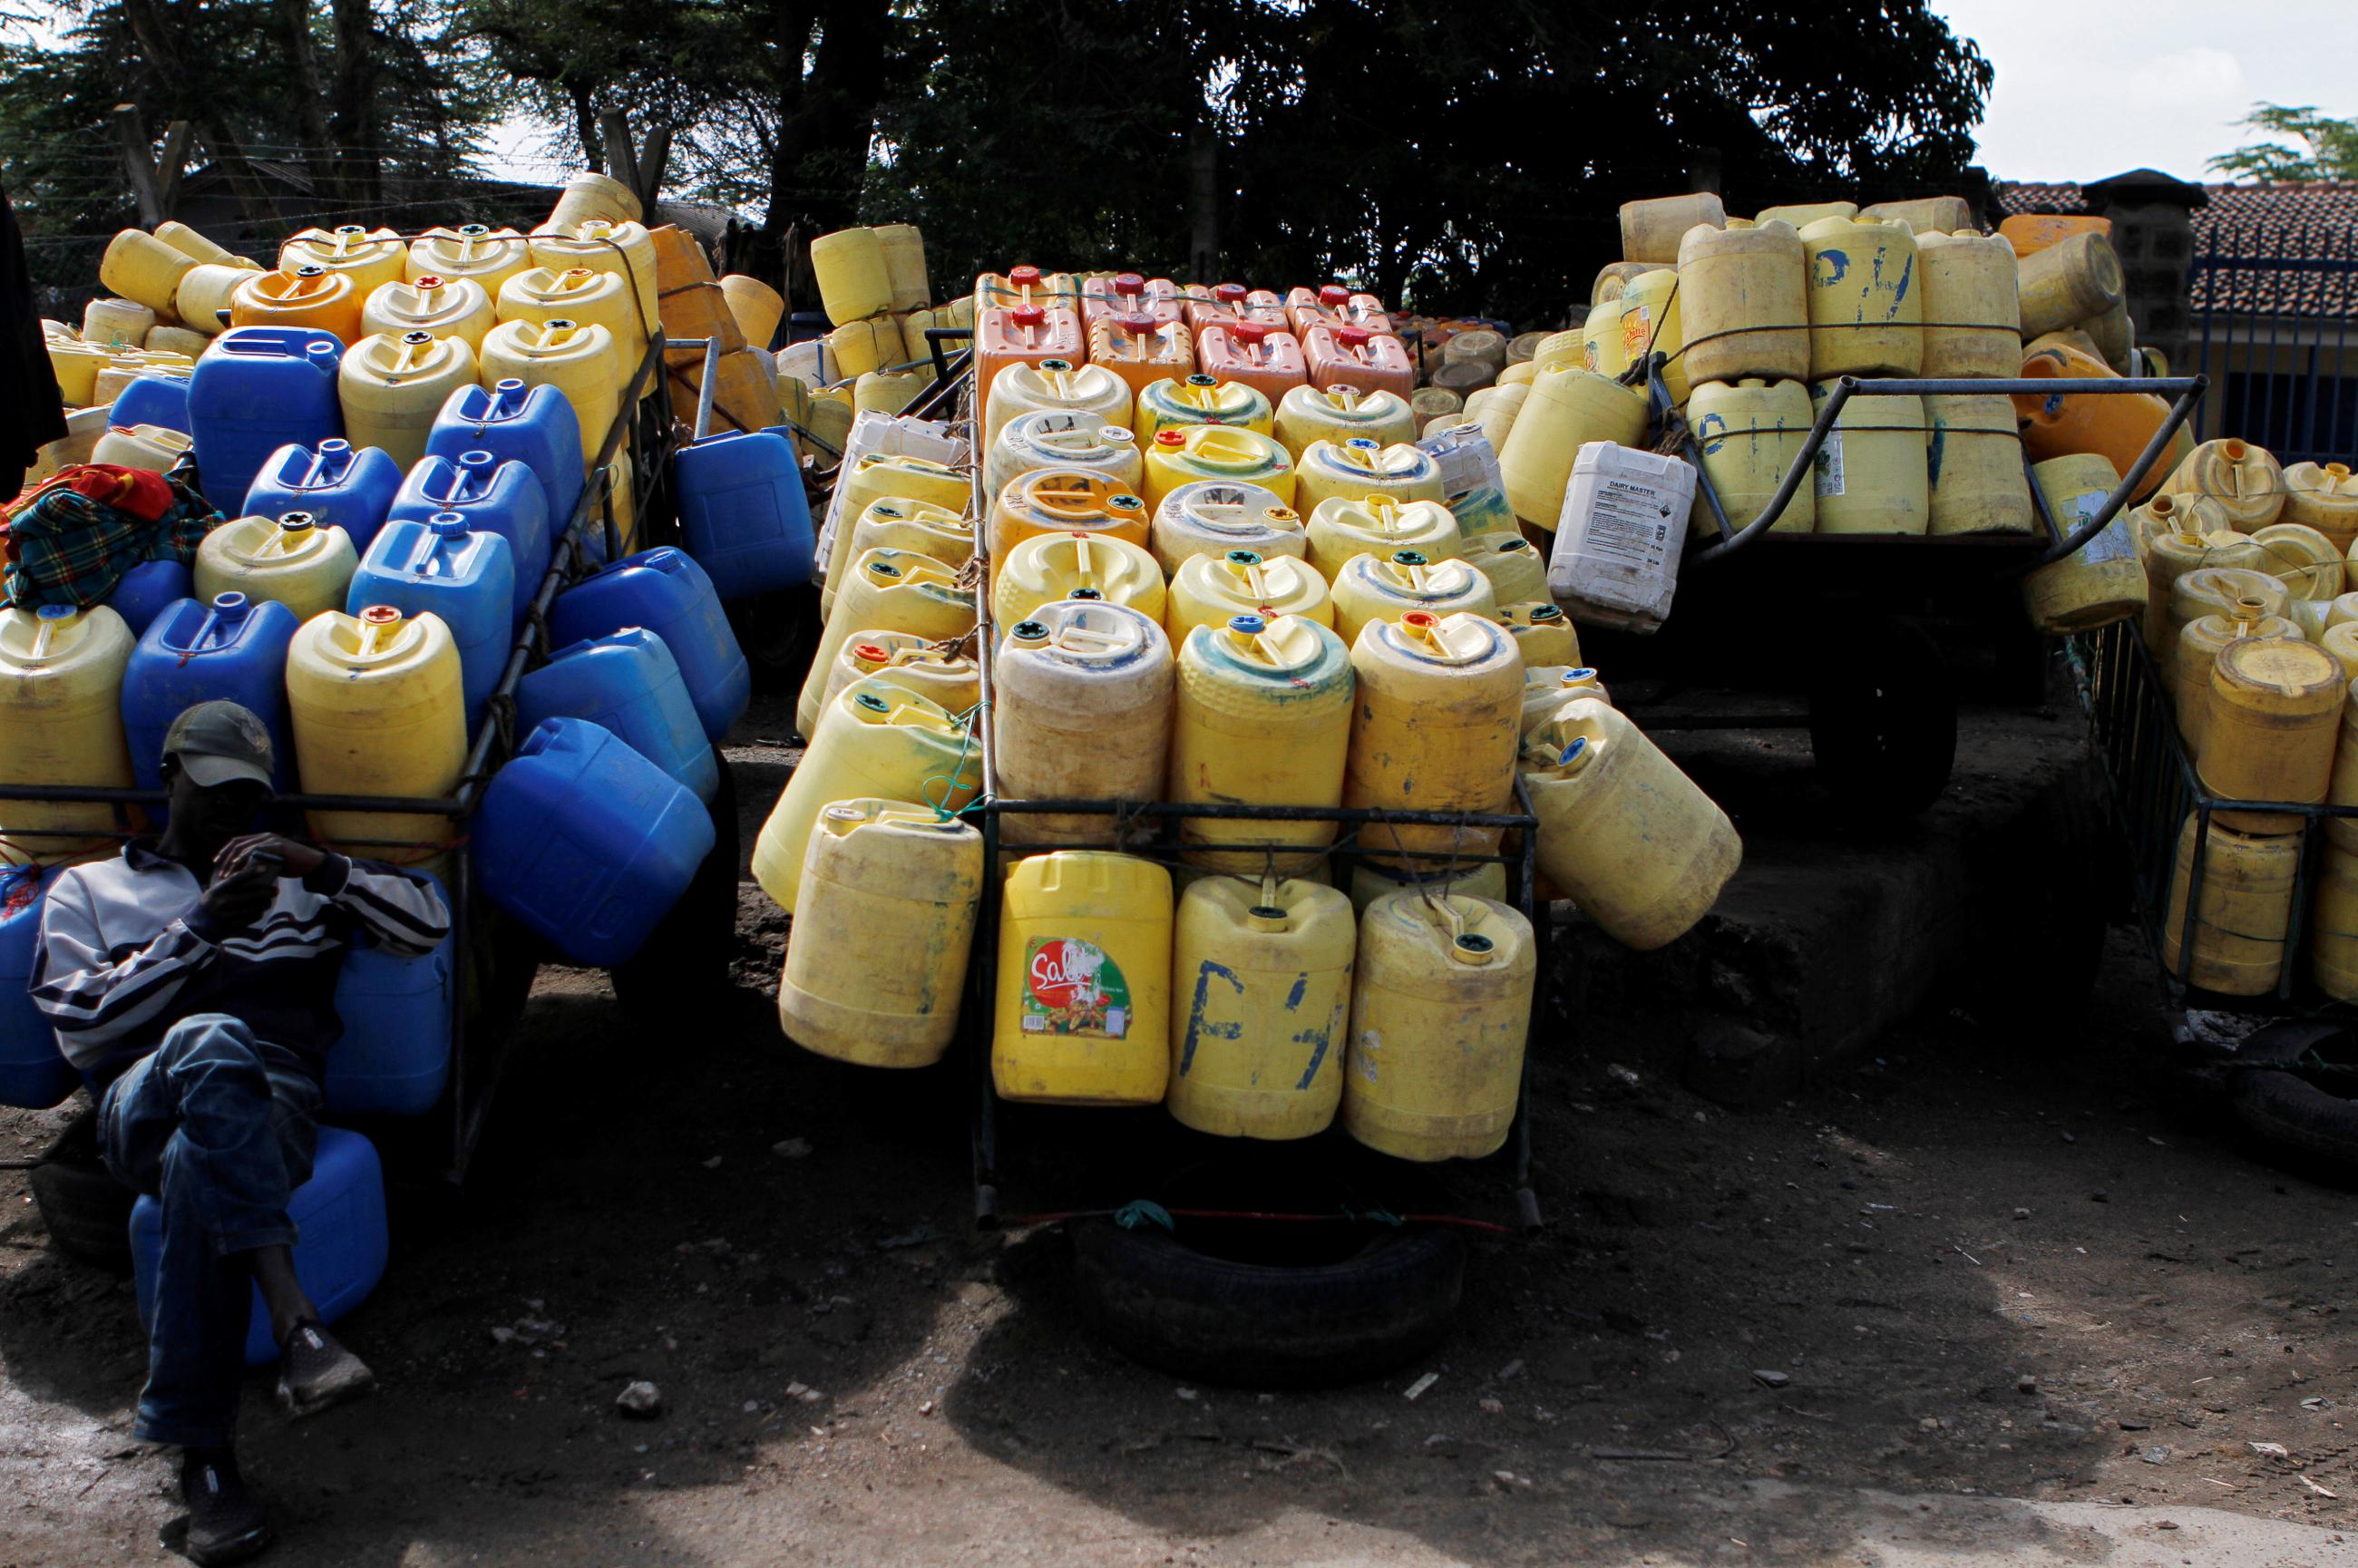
{"x":779,"y":633}
{"x":2299,"y":1121}
{"x":687,"y":959}
{"x":1885,"y":735}
{"x":1221,"y":1314}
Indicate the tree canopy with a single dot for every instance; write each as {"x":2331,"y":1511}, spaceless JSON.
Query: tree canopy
{"x":2328,"y":147}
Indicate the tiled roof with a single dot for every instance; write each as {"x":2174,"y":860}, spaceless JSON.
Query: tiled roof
{"x":2251,"y":241}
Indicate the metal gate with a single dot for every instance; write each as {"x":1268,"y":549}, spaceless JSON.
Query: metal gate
{"x":2273,"y":309}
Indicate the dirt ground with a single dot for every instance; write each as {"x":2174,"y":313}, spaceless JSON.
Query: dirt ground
{"x":1976,"y":1269}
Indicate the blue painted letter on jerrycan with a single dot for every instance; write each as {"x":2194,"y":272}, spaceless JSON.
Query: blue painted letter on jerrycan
{"x":742,"y":510}
{"x":494,"y":497}
{"x":447,"y":569}
{"x":395,"y":1055}
{"x":534,"y":426}
{"x":667,"y":593}
{"x":148,"y":590}
{"x":587,"y":842}
{"x":629,"y":682}
{"x":339,"y":485}
{"x":256,"y":390}
{"x":33,"y":1075}
{"x":153,"y":397}
{"x":233,"y":650}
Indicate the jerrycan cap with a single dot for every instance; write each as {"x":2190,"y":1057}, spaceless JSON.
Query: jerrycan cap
{"x":843,"y":811}
{"x":1580,"y":675}
{"x":1545,"y":614}
{"x":1352,"y":337}
{"x":871,"y":653}
{"x":231,"y":605}
{"x":1086,"y":593}
{"x":1249,"y":331}
{"x":1574,"y":756}
{"x":414,"y":338}
{"x":1030,"y":633}
{"x":1409,"y":558}
{"x":1019,"y":275}
{"x":1364,"y":444}
{"x":474,"y":230}
{"x":448,"y":524}
{"x":1228,"y":293}
{"x":1472,"y":947}
{"x":309,"y":270}
{"x":1422,"y":620}
{"x":1245,"y":557}
{"x":1517,"y":543}
{"x":1055,"y":365}
{"x":1136,"y":321}
{"x":381,"y":615}
{"x":1334,"y":293}
{"x":1029,"y":315}
{"x":1171,"y":439}
{"x":297,"y":522}
{"x":426,"y":281}
{"x":1129,"y":284}
{"x":1200,"y":379}
{"x":1124,"y":502}
{"x":56,"y":612}
{"x":349,"y":229}
{"x":871,"y":702}
{"x":1247,"y":625}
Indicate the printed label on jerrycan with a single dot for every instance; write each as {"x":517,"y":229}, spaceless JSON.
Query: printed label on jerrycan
{"x":1830,"y":465}
{"x":1071,"y":986}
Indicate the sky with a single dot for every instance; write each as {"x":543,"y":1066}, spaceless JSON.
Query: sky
{"x":2090,"y":88}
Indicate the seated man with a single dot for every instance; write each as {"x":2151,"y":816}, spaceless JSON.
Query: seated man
{"x":193,"y":978}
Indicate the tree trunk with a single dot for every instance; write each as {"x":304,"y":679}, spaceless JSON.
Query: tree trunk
{"x":585,"y":126}
{"x":821,"y":158}
{"x":155,"y":25}
{"x":351,"y":105}
{"x":1203,"y":201}
{"x":294,"y":21}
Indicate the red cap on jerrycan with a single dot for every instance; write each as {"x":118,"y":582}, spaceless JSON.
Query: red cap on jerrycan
{"x":1128,"y":285}
{"x":1021,"y":275}
{"x":1229,"y":293}
{"x":1334,"y":296}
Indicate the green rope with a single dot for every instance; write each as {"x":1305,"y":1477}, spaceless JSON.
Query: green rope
{"x":1140,"y":1212}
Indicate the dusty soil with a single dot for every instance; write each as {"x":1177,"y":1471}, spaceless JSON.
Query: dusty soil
{"x":1977,"y":1267}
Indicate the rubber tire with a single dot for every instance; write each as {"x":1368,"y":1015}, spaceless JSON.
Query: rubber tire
{"x":1254,"y":1326}
{"x":85,"y":1209}
{"x":1884,"y":738}
{"x":779,"y":633}
{"x":2286,"y":1111}
{"x":686,"y":962}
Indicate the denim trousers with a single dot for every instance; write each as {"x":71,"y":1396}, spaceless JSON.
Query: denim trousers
{"x":219,"y":1128}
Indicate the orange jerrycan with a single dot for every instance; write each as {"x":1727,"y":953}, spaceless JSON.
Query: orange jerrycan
{"x":1252,"y":353}
{"x":1140,"y":348}
{"x":1353,"y":356}
{"x":1128,"y":294}
{"x":1008,"y":335}
{"x":306,"y":296}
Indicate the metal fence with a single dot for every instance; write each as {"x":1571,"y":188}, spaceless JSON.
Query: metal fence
{"x":2274,"y":305}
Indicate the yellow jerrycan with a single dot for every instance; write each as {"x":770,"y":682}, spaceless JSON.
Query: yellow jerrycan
{"x":884,"y":391}
{"x":1372,"y":588}
{"x":392,"y":387}
{"x":1084,"y":1000}
{"x":377,"y":709}
{"x":2301,"y":559}
{"x":1867,"y":303}
{"x":1653,"y":323}
{"x":1972,"y":316}
{"x":76,"y":367}
{"x":1873,"y":474}
{"x":484,"y":255}
{"x":2099,"y":583}
{"x":590,"y":195}
{"x":2245,"y":480}
{"x":190,"y":243}
{"x":879,"y":740}
{"x":918,"y":526}
{"x":584,"y":296}
{"x":1743,"y":304}
{"x":1493,"y":410}
{"x":1356,"y":468}
{"x":2169,"y":555}
{"x":2334,"y":927}
{"x":1176,"y":401}
{"x":2067,"y":282}
{"x":904,"y":261}
{"x":309,"y":296}
{"x":936,"y":671}
{"x":208,"y":294}
{"x":889,"y":894}
{"x":2246,"y":909}
{"x":371,"y":259}
{"x":137,"y":266}
{"x":1436,"y":727}
{"x":1052,"y":438}
{"x":1568,"y":406}
{"x":1080,"y":710}
{"x":1260,"y":992}
{"x":880,"y":477}
{"x":1370,"y":883}
{"x":61,"y":709}
{"x":1622,"y":830}
{"x":1441,"y":1012}
{"x":117,"y":323}
{"x":1307,"y":414}
{"x":2196,"y":652}
{"x":1061,"y":385}
{"x":1600,"y":341}
{"x":886,"y":591}
{"x":625,"y":249}
{"x":1263,"y":718}
{"x":288,"y":559}
{"x":1064,"y":501}
{"x":1213,"y":590}
{"x":1050,"y":566}
{"x":1750,"y":433}
{"x":1340,"y":529}
{"x":2271,"y":729}
{"x":1212,"y":517}
{"x":577,"y":358}
{"x":1174,"y":458}
{"x":1796,"y":214}
{"x":1651,"y":229}
{"x":152,"y":447}
{"x":915,"y":351}
{"x":1515,"y":569}
{"x":859,"y":347}
{"x":1925,"y":214}
{"x":438,"y":307}
{"x":1544,"y":635}
{"x":2324,"y":496}
{"x":1547,"y":687}
{"x":1972,"y":462}
{"x":854,"y":280}
{"x":2219,"y":586}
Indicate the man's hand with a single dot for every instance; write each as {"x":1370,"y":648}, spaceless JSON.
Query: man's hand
{"x":235,"y":902}
{"x":292,"y":859}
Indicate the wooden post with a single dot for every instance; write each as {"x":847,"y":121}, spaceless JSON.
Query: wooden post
{"x":154,"y":180}
{"x":639,"y":165}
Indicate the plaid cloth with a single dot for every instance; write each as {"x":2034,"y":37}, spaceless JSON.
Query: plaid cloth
{"x":71,"y":540}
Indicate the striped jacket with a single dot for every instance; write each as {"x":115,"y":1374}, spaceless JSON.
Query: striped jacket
{"x":125,"y":954}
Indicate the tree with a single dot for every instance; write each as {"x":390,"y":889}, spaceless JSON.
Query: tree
{"x":2331,"y":147}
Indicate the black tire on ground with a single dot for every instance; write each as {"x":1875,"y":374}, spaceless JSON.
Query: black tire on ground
{"x":2311,"y":1125}
{"x":686,"y":962}
{"x":85,"y":1209}
{"x":1377,"y":1307}
{"x":779,"y":633}
{"x":1883,"y":718}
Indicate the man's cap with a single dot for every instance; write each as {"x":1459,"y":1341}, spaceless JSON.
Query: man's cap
{"x":217,"y":743}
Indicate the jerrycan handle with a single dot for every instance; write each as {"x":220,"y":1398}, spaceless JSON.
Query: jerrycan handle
{"x":47,"y":621}
{"x":1081,"y":556}
{"x":1268,"y":914}
{"x":328,"y":461}
{"x":412,"y":345}
{"x":473,"y":468}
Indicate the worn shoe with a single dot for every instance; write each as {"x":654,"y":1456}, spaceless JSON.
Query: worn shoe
{"x":223,"y":1523}
{"x":317,"y":1373}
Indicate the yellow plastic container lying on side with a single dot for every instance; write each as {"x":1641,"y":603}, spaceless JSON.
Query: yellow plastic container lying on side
{"x":2245,"y":911}
{"x":889,"y":591}
{"x":874,"y":973}
{"x":1083,"y":981}
{"x":377,"y":707}
{"x":2325,"y":497}
{"x":139,"y":265}
{"x":880,"y":477}
{"x":1544,"y":635}
{"x":1517,"y":571}
{"x":2099,"y":583}
{"x":1263,"y":718}
{"x":1260,"y":987}
{"x":1568,"y":406}
{"x":918,"y":527}
{"x":936,"y":671}
{"x":1435,"y":728}
{"x":1441,"y":1011}
{"x":2245,"y":480}
{"x":61,"y":709}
